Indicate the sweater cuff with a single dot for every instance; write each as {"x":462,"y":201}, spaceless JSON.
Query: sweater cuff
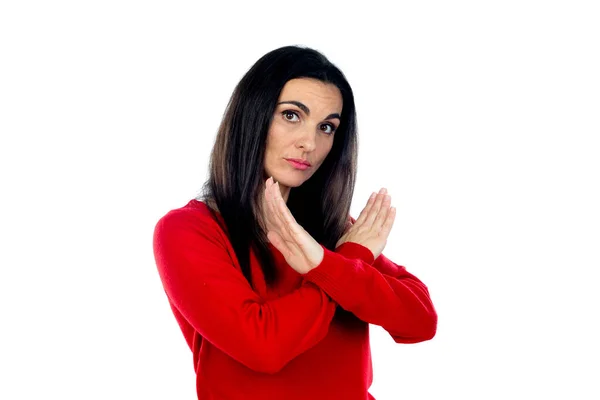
{"x":340,"y":277}
{"x":355,"y":250}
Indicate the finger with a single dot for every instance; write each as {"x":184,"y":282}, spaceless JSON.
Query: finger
{"x":283,"y":212}
{"x":289,"y":225}
{"x":264,"y":218}
{"x":266,"y":190}
{"x":383,"y":211}
{"x":267,"y":200}
{"x":272,"y":199}
{"x":374,"y":210}
{"x":389,"y":222}
{"x":348,"y":225}
{"x":291,"y":230}
{"x":275,"y":209}
{"x":365,"y":212}
{"x":270,"y":211}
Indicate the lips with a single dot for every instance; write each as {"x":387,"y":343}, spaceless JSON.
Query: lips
{"x":299,"y":161}
{"x":297,"y":165}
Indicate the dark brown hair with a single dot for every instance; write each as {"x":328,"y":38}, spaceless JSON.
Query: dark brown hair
{"x":321,"y":205}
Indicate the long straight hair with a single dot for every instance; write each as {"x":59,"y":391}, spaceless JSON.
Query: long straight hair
{"x":321,"y":205}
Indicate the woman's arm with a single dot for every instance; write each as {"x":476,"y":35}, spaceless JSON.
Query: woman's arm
{"x":202,"y":282}
{"x":378,"y":291}
{"x":381,"y":264}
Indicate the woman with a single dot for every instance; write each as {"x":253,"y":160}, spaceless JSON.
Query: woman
{"x":271,"y":281}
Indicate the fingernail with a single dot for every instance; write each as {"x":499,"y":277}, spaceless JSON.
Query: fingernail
{"x":372,"y":196}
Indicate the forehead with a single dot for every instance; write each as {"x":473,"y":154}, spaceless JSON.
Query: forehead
{"x":313,"y":92}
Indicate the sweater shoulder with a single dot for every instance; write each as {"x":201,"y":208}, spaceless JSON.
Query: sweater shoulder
{"x":194,"y":216}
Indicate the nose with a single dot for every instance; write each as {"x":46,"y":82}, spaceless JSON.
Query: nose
{"x":308,"y":139}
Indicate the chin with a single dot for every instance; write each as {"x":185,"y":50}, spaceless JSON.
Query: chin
{"x":285,"y":179}
{"x":290,"y":179}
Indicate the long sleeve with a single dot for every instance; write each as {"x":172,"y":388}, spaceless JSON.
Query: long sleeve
{"x":379,"y":292}
{"x":381,"y":263}
{"x":200,"y":279}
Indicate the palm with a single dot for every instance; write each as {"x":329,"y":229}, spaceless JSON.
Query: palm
{"x":373,"y":226}
{"x":293,"y":249}
{"x":301,"y":251}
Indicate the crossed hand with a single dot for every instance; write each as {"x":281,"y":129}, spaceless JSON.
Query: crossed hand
{"x":304,"y":253}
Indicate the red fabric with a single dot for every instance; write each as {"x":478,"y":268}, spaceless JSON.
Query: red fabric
{"x":307,"y":338}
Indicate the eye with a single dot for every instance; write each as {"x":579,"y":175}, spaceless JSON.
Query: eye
{"x":328,"y":128}
{"x":289,"y":115}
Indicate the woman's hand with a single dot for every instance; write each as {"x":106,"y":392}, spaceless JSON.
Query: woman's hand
{"x":373,"y":225}
{"x":298,"y":247}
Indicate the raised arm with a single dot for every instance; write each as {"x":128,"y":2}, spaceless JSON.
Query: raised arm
{"x":200,"y":279}
{"x":378,"y":291}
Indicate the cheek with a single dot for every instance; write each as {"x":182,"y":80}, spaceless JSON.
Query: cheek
{"x":274,"y":142}
{"x":278,"y":133}
{"x":325,"y":153}
{"x":278,"y":128}
{"x":327,"y":149}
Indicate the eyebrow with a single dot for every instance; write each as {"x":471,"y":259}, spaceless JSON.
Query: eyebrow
{"x":306,"y":110}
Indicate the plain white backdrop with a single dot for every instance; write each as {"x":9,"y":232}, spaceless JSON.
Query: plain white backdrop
{"x":481,"y":118}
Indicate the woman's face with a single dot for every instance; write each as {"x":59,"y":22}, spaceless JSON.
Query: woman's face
{"x":303,"y":127}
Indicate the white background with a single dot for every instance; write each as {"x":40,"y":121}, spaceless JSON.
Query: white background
{"x":481,"y":118}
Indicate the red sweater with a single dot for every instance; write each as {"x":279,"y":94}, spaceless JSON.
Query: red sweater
{"x":307,"y":338}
